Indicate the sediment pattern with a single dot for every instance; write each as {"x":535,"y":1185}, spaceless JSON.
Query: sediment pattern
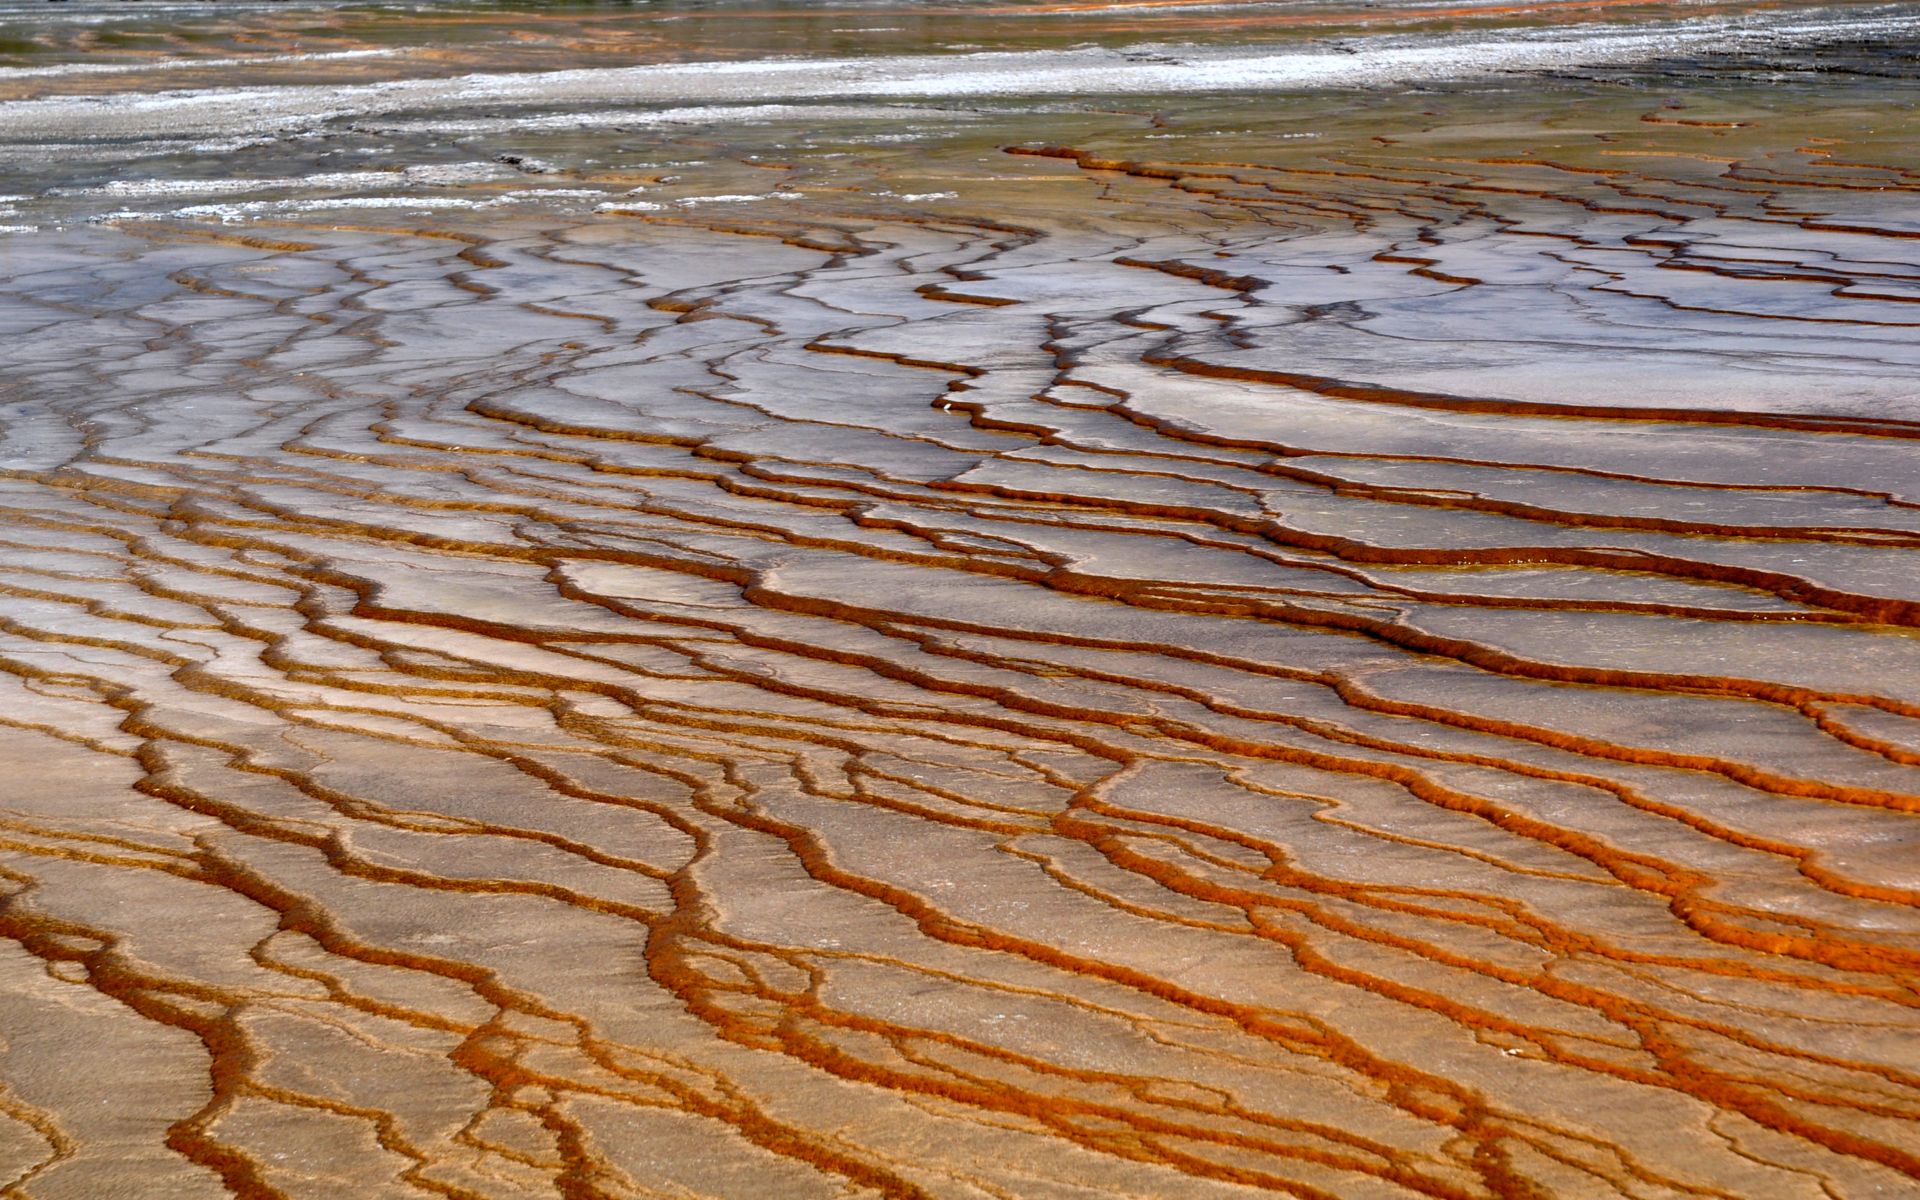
{"x":1374,"y":671}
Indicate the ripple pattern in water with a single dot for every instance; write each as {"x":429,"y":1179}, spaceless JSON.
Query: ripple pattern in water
{"x":1122,"y":665}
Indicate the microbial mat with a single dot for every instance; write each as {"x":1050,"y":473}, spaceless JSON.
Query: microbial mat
{"x":965,"y":601}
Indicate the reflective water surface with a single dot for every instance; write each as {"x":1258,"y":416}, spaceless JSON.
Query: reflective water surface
{"x":950,"y":601}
